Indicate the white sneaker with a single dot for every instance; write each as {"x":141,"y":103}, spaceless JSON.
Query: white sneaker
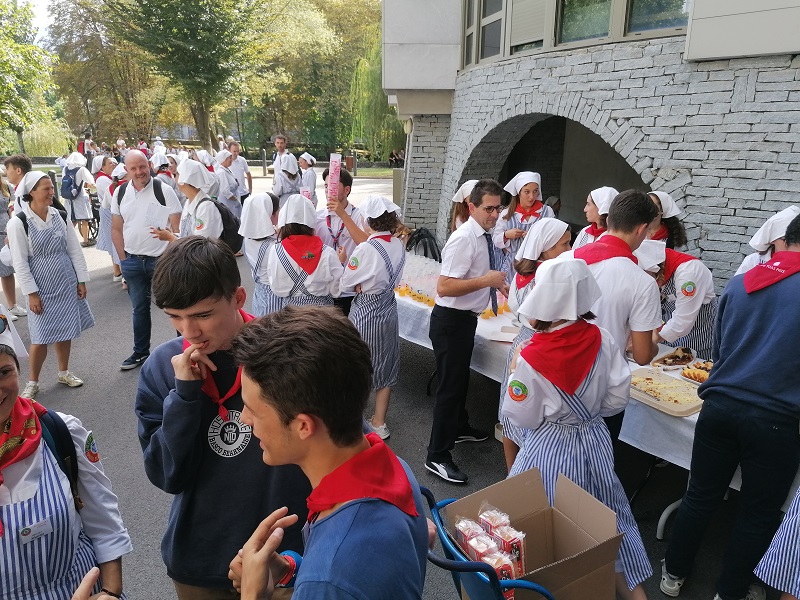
{"x":755,"y":592}
{"x":382,"y":430}
{"x":18,"y":311}
{"x":30,"y":391}
{"x":116,"y":278}
{"x":670,"y":584}
{"x":11,"y":316}
{"x":70,"y":379}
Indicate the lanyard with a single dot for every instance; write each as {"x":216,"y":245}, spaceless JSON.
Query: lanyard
{"x":338,"y":235}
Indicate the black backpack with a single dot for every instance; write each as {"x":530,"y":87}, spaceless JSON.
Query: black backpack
{"x":230,"y":225}
{"x":57,"y":437}
{"x":157,"y":191}
{"x":24,"y":218}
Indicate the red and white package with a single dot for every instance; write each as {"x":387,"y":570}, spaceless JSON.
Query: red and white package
{"x":491,"y":517}
{"x":334,"y":170}
{"x":511,"y":542}
{"x":466,"y":529}
{"x":480,"y":546}
{"x":504,"y":567}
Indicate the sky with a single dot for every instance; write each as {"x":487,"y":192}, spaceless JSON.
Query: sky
{"x":41,"y":19}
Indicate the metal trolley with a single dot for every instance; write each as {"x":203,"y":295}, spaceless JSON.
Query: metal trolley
{"x":478,"y":579}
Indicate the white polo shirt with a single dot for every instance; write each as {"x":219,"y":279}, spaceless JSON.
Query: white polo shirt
{"x":133,"y":209}
{"x":466,"y":256}
{"x":240,"y":169}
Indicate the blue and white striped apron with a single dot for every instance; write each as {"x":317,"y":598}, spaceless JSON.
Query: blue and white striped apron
{"x":375,"y":317}
{"x":64,"y":315}
{"x":104,"y":241}
{"x":299,"y":296}
{"x":579,"y":446}
{"x":701,"y":337}
{"x":49,"y":567}
{"x":584,"y":238}
{"x":515,"y":222}
{"x":5,"y":270}
{"x":264,"y":301}
{"x":513,"y":432}
{"x":780,"y":566}
{"x":80,"y":207}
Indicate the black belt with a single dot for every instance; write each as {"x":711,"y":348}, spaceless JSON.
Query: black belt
{"x":471,"y":313}
{"x":140,"y":256}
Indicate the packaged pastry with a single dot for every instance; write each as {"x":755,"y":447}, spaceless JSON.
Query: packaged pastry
{"x":466,"y":529}
{"x":504,"y":567}
{"x":512,"y":542}
{"x":480,"y":546}
{"x":490,"y":517}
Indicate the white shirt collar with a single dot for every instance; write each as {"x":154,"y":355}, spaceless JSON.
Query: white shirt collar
{"x":475,"y":227}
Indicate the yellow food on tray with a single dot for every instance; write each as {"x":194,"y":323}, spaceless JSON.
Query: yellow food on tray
{"x":698,"y":375}
{"x":666,"y":389}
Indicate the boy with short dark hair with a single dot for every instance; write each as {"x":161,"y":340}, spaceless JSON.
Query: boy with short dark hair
{"x":365,"y":507}
{"x":189,"y":406}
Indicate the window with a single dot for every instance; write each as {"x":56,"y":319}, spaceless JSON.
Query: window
{"x":584,"y":20}
{"x":469,"y":32}
{"x":524,"y":47}
{"x":646,"y":15}
{"x":468,"y":49}
{"x":491,"y":24}
{"x":527,"y":23}
{"x":491,"y":7}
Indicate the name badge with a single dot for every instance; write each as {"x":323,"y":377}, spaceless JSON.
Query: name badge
{"x":35,"y":531}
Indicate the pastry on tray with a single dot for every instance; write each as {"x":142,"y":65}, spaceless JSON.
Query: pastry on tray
{"x":677,"y":358}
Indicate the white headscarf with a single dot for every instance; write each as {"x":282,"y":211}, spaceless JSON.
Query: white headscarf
{"x":651,"y":253}
{"x":204,"y":157}
{"x":669,"y":208}
{"x":182,"y":156}
{"x":119,"y":171}
{"x":11,"y":338}
{"x":602,"y":198}
{"x":97,"y":163}
{"x":462,"y":194}
{"x":297,"y":209}
{"x":159,"y":160}
{"x":223,"y":155}
{"x":257,"y":217}
{"x":29,"y":181}
{"x":774,"y":228}
{"x":565,"y":289}
{"x":76,"y":160}
{"x":289,"y":163}
{"x":522,"y":179}
{"x":375,"y":206}
{"x":308,"y":158}
{"x":541,"y":236}
{"x":196,"y":175}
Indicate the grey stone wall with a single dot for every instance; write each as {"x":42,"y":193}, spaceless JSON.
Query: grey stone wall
{"x":425,"y":156}
{"x":722,"y":137}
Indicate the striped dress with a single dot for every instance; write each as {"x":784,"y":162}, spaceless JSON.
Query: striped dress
{"x":375,"y":317}
{"x":516,"y":222}
{"x":701,"y":337}
{"x":780,"y":566}
{"x":64,"y":315}
{"x":49,"y":567}
{"x":576,"y":442}
{"x":264,"y":301}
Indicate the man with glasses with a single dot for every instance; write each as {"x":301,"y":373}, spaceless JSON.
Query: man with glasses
{"x":468,"y":283}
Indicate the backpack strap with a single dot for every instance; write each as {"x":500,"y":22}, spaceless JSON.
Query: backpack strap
{"x":57,"y":437}
{"x":157,"y":191}
{"x":24,"y":218}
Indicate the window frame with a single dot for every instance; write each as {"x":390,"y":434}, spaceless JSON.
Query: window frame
{"x":481,"y":22}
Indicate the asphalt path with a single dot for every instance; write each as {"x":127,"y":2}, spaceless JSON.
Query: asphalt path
{"x":105,"y":405}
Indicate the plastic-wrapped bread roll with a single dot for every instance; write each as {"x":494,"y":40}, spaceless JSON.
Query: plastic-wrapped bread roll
{"x":505,"y":569}
{"x":480,"y":546}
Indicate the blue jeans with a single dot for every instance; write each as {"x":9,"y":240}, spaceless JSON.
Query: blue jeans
{"x":138,"y":273}
{"x":767,"y":446}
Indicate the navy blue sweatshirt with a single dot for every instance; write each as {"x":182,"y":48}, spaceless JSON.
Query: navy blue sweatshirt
{"x":222,"y":487}
{"x":755,"y":352}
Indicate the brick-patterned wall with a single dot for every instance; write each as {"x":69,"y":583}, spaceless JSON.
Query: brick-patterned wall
{"x":425,"y":156}
{"x":722,"y":137}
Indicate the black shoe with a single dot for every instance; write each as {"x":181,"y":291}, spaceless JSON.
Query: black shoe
{"x":472,"y":435}
{"x":447,"y":471}
{"x":133,"y":361}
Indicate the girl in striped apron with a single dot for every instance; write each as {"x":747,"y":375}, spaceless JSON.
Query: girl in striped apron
{"x":780,"y":567}
{"x":46,"y":545}
{"x":9,"y":283}
{"x":301,"y":269}
{"x":373,"y":271}
{"x":107,"y":168}
{"x":526,"y":208}
{"x":259,"y":235}
{"x":52,"y":272}
{"x":598,"y":202}
{"x":547,"y":239}
{"x":564,"y":381}
{"x":667,"y":227}
{"x":769,"y":239}
{"x":688,"y":300}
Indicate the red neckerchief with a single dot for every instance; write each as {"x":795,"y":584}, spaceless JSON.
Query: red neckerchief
{"x":210,"y":168}
{"x":595,"y":231}
{"x":564,"y":357}
{"x":165,"y":171}
{"x":21,"y":435}
{"x":523,"y":280}
{"x":373,"y":473}
{"x":210,"y":388}
{"x":101,"y":174}
{"x":674,"y":260}
{"x":336,"y":236}
{"x":114,"y":185}
{"x":782,"y":265}
{"x":385,"y":237}
{"x":533,"y":211}
{"x":606,"y":247}
{"x":661,"y":234}
{"x":305,"y":250}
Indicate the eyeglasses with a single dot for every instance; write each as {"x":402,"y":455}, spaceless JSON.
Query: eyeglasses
{"x":492,"y":209}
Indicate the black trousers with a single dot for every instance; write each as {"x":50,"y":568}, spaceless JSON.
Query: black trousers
{"x":452,"y":333}
{"x":343,"y":304}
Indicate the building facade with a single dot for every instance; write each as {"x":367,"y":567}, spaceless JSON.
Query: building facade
{"x":700,"y":100}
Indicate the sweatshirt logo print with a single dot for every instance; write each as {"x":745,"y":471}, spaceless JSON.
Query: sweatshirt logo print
{"x":229,"y":438}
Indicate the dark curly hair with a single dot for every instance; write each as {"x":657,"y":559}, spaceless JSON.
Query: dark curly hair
{"x":677,"y":232}
{"x":388,"y":221}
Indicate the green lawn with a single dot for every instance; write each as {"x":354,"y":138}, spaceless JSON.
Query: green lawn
{"x":375,"y":172}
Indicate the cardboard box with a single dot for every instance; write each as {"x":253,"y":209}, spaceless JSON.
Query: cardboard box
{"x":570,"y":548}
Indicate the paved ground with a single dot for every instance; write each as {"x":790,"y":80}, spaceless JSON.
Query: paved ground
{"x":105,"y":404}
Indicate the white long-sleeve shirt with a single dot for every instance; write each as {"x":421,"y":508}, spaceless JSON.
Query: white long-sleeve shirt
{"x":310,"y":181}
{"x":228,"y":186}
{"x":322,"y":282}
{"x":694,"y":287}
{"x":21,"y":249}
{"x":201,"y":218}
{"x":367,"y":269}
